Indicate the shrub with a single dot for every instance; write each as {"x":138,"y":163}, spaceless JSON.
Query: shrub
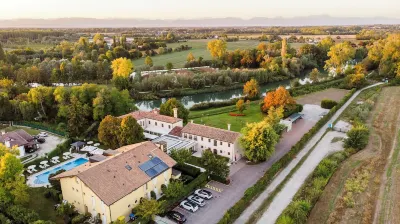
{"x":188,"y":170}
{"x":296,"y":109}
{"x":153,"y":195}
{"x":357,"y":137}
{"x":328,"y":104}
{"x":79,"y":219}
{"x":216,"y":104}
{"x":299,"y":210}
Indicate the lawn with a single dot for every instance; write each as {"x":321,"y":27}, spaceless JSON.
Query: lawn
{"x":29,"y":130}
{"x":317,"y":97}
{"x":43,"y":206}
{"x":221,"y":117}
{"x":199,"y":49}
{"x":34,"y":46}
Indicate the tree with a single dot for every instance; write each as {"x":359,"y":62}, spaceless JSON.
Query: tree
{"x":284,"y":48}
{"x":217,"y":48}
{"x":98,"y":38}
{"x":259,"y":140}
{"x":174,"y":189}
{"x":148,"y":61}
{"x":147,"y":209}
{"x":131,"y":132}
{"x":180,"y":155}
{"x":357,"y":137}
{"x":314,"y":75}
{"x":217,"y":166}
{"x":167,"y":108}
{"x":240,"y":106}
{"x":169,"y":66}
{"x":13,"y":189}
{"x":78,"y":116}
{"x":277,"y":98}
{"x":339,"y":54}
{"x":355,"y":81}
{"x":109,"y":130}
{"x":56,"y":183}
{"x":2,"y":54}
{"x":251,"y":89}
{"x":190,"y":57}
{"x":122,"y":67}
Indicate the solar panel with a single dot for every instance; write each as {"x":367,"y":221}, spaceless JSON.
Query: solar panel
{"x":128,"y":167}
{"x":153,"y":167}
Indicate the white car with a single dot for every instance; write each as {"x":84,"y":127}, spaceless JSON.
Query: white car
{"x":203,"y":194}
{"x":197,"y":200}
{"x":190,"y":206}
{"x":42,"y":134}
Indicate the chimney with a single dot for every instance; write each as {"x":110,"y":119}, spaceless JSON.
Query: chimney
{"x":176,"y":112}
{"x":229,"y":127}
{"x":191,"y":121}
{"x":7,"y":142}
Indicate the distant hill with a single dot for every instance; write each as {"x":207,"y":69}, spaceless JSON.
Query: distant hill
{"x":203,"y":22}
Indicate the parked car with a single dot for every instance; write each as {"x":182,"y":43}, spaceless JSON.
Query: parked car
{"x":190,"y":206}
{"x":203,"y":194}
{"x":197,"y":200}
{"x":176,"y":216}
{"x":42,"y":134}
{"x":41,"y":140}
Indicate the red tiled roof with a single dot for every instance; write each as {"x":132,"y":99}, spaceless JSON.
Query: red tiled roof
{"x":18,"y":137}
{"x":138,"y":115}
{"x":211,"y":132}
{"x":176,"y":131}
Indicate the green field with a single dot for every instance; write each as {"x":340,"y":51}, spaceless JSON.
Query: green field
{"x":199,"y":49}
{"x":34,"y":46}
{"x":29,"y":130}
{"x":221,"y":119}
{"x":43,"y":206}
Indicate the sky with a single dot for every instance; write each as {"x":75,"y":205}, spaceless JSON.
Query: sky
{"x":189,"y":9}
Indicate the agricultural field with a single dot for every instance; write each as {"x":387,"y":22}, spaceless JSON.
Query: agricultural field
{"x":359,"y":191}
{"x":317,"y":97}
{"x":199,"y":49}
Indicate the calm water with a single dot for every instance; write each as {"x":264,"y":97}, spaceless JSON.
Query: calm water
{"x":44,"y":177}
{"x":190,"y":100}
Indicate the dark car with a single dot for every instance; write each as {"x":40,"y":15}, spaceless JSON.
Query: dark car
{"x":176,"y":216}
{"x":41,"y":140}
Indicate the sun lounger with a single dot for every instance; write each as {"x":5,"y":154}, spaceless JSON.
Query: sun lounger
{"x":65,"y":157}
{"x":53,"y":161}
{"x":34,"y":170}
{"x":42,"y":166}
{"x":29,"y":171}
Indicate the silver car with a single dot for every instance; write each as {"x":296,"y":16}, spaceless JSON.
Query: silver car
{"x":188,"y":205}
{"x":197,"y":200}
{"x":203,"y":194}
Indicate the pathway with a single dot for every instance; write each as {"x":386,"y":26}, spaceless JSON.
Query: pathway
{"x":313,"y":141}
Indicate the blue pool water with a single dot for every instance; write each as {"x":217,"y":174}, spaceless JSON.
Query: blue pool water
{"x":44,"y":177}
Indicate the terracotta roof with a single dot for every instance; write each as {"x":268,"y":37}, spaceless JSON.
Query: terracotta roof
{"x":154,"y":115}
{"x":18,"y":137}
{"x":110,"y":180}
{"x":176,"y":131}
{"x":211,"y":132}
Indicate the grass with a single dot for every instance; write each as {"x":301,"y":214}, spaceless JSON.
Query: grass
{"x":43,"y":206}
{"x":221,"y":119}
{"x":199,"y":49}
{"x":29,"y":130}
{"x":34,"y":46}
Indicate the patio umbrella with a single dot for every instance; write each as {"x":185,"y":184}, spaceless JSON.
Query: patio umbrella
{"x":90,"y":142}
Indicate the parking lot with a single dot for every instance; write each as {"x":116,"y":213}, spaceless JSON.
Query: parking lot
{"x":51,"y":143}
{"x":202,"y":212}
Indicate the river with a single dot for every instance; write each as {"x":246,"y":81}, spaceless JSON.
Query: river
{"x":190,"y":100}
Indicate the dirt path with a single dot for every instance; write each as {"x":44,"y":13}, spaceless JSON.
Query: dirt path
{"x":332,"y":207}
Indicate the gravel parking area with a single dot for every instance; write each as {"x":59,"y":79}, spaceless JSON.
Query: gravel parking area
{"x":51,"y":143}
{"x":312,"y":112}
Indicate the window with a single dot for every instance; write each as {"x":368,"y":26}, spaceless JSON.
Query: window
{"x":136,"y":201}
{"x":220,"y":143}
{"x":129,"y":206}
{"x":229,"y":145}
{"x":195,"y":137}
{"x":149,"y":122}
{"x":73,"y":189}
{"x":202,"y":138}
{"x":162,"y":125}
{"x":220,"y":151}
{"x":185,"y":136}
{"x":209,"y":140}
{"x":155,"y":123}
{"x":215,"y":143}
{"x":190,"y":136}
{"x":229,"y":153}
{"x":201,"y":146}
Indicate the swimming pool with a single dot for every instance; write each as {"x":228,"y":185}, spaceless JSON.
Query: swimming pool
{"x":43,"y":178}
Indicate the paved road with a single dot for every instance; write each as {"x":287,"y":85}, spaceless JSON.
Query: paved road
{"x":285,"y":196}
{"x":247,"y":213}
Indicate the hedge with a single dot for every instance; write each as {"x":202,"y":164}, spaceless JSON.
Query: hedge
{"x":188,"y":170}
{"x":254,"y":191}
{"x":40,"y":126}
{"x":328,"y":103}
{"x":216,"y":104}
{"x":297,"y":109}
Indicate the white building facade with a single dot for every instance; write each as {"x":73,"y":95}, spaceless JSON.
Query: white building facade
{"x":154,"y":124}
{"x":219,"y":141}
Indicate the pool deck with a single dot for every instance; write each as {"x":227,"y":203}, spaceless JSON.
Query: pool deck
{"x":31,"y":179}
